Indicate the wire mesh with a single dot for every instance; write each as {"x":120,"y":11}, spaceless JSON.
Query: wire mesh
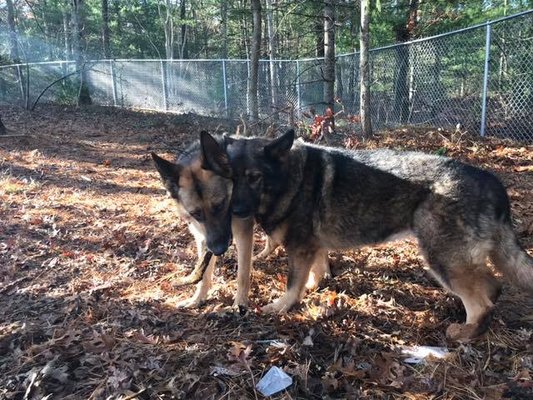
{"x":510,"y":94}
{"x":436,"y":81}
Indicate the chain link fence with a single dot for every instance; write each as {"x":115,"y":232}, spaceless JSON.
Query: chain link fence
{"x":480,"y":78}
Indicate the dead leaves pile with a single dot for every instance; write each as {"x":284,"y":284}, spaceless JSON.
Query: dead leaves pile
{"x":89,"y":246}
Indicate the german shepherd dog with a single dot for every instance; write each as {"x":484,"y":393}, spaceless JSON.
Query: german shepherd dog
{"x":313,"y":199}
{"x":203,"y":200}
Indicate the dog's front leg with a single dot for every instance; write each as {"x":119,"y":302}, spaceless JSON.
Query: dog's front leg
{"x":198,"y":231}
{"x":243,"y":233}
{"x":202,"y":288}
{"x":300,"y":262}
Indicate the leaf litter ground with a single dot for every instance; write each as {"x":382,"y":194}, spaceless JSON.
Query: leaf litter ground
{"x":89,"y":246}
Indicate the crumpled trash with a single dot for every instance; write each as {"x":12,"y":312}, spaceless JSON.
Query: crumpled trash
{"x":274,"y":381}
{"x":216,"y":371}
{"x":418,"y":354}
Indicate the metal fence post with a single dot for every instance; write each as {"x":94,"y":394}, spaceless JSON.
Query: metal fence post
{"x":298,"y":94}
{"x":485,"y":81}
{"x":225,"y":79}
{"x":247,"y":86}
{"x":164,"y":85}
{"x":113,"y":81}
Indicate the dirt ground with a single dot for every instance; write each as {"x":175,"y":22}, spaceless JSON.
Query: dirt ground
{"x":90,"y":244}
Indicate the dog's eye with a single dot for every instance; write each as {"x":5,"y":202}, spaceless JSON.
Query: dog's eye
{"x":198,"y":215}
{"x":254,"y":178}
{"x":218,"y":208}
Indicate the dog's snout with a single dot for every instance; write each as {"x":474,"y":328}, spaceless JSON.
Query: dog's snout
{"x":218,"y":248}
{"x":242,"y":212}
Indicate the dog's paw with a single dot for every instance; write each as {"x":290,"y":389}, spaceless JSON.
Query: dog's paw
{"x":240,"y":305}
{"x":467,"y":332}
{"x":239,"y":309}
{"x":270,"y":309}
{"x":315,"y":278}
{"x":191,"y":303}
{"x":463,"y":333}
{"x":241,"y":300}
{"x":277,"y":307}
{"x":312,"y":281}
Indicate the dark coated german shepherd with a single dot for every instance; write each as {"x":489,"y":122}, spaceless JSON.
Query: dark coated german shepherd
{"x":313,"y":199}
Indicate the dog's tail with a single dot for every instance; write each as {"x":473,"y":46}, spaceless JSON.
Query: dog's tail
{"x":511,"y":259}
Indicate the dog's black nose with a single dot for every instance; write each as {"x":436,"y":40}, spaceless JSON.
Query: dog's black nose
{"x":218,"y":248}
{"x":242,"y":212}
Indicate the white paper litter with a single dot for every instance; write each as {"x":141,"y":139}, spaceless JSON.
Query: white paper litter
{"x":308,"y":340}
{"x":417,"y":354}
{"x":216,"y":371}
{"x":274,"y":381}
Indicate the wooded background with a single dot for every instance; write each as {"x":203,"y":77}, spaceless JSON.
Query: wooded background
{"x":188,"y":29}
{"x":310,"y":51}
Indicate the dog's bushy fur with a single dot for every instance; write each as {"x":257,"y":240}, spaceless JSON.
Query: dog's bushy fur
{"x":312,"y":199}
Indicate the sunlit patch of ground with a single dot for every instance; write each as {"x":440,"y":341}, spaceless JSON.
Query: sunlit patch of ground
{"x":89,"y":244}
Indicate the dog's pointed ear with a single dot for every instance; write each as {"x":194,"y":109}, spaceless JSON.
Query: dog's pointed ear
{"x":169,"y":172}
{"x":167,"y":169}
{"x":280,"y":147}
{"x":214,"y":157}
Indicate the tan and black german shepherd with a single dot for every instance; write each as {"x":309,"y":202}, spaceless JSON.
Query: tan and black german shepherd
{"x":203,"y":199}
{"x":313,"y":199}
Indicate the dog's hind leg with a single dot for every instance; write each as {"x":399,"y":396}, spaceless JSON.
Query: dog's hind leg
{"x":459,"y":264}
{"x":300,"y":262}
{"x":319,"y":271}
{"x":479,"y":291}
{"x":270,"y":246}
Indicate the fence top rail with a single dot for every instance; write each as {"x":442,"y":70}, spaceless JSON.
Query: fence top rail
{"x":154,"y":60}
{"x":36,"y":63}
{"x":377,"y":49}
{"x":470,"y":28}
{"x":244,"y":60}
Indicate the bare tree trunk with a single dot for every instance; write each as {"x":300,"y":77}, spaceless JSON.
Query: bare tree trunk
{"x":183,"y":45}
{"x":168,"y":28}
{"x":502,"y":69}
{"x":224,"y":14}
{"x":78,"y":23}
{"x":118,"y":30}
{"x":401,"y":84}
{"x":67,"y":35}
{"x":339,"y":90}
{"x":254,"y":61}
{"x":13,"y":46}
{"x":244,"y":30}
{"x":46,"y":29}
{"x":319,"y":31}
{"x":329,"y":53}
{"x":364,"y":68}
{"x":105,"y":29}
{"x":272,"y":49}
{"x":404,"y":33}
{"x":14,"y":53}
{"x":3,"y":129}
